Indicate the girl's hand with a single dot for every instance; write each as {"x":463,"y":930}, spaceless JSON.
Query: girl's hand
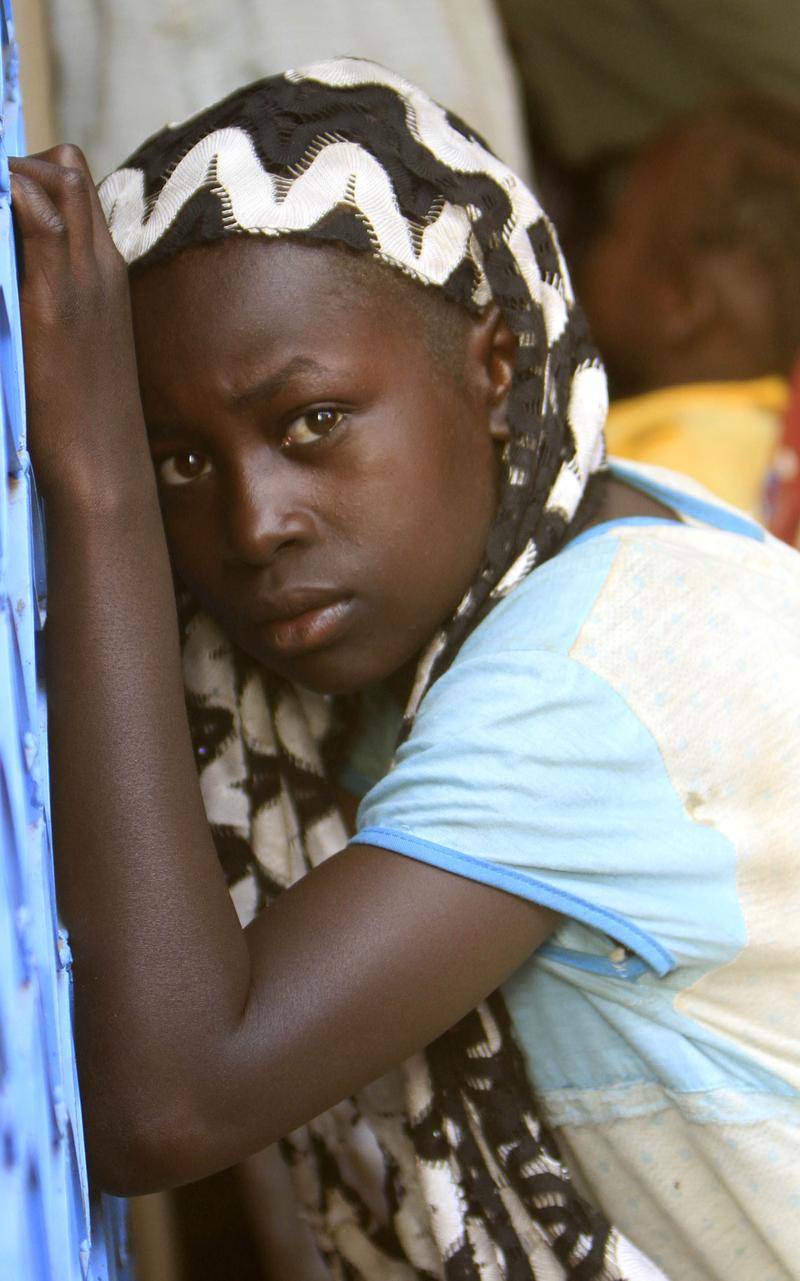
{"x":84,"y":412}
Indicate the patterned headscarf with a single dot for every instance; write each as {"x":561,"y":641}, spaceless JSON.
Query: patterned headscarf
{"x":470,"y":1185}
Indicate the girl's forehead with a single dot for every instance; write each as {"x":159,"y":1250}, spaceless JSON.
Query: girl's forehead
{"x":240,"y":313}
{"x":235,"y":293}
{"x":237,"y":265}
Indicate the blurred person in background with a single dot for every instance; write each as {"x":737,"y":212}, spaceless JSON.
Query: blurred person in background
{"x":689,"y":272}
{"x":611,"y":79}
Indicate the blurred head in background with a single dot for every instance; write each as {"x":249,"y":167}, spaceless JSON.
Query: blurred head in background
{"x":689,"y":269}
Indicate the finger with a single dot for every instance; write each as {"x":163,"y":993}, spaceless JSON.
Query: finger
{"x":71,"y":157}
{"x":36,"y":218}
{"x":45,"y":272}
{"x":68,"y":190}
{"x":63,"y":182}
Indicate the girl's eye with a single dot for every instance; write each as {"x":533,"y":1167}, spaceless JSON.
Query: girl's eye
{"x":183,"y":468}
{"x":311,"y":426}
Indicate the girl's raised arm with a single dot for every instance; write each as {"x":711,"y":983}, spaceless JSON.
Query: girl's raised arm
{"x":198,"y":1042}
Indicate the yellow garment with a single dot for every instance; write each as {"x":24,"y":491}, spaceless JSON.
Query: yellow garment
{"x":722,"y":434}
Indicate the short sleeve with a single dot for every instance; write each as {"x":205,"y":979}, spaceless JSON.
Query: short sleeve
{"x":525,"y":770}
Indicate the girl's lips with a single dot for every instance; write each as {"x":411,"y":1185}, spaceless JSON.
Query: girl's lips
{"x":310,"y":630}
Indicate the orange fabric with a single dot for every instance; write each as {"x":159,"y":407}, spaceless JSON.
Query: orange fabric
{"x":724,"y":435}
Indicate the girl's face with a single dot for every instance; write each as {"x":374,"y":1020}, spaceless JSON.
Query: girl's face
{"x":327,"y":484}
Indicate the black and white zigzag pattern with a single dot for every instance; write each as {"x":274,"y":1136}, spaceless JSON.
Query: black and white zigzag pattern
{"x":466,"y":1183}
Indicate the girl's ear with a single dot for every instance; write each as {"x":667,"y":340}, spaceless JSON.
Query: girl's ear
{"x":492,"y":350}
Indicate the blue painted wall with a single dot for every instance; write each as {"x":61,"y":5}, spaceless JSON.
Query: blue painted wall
{"x":48,"y":1229}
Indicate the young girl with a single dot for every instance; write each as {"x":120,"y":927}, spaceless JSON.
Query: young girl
{"x":363,"y":409}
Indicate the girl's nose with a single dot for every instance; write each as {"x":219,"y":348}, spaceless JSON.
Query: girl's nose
{"x":264,"y":514}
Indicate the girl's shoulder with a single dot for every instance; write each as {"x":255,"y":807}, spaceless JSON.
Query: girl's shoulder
{"x":635,"y":573}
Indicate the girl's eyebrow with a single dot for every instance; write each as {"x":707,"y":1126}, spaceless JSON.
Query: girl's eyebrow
{"x":262,"y":389}
{"x":267,"y":388}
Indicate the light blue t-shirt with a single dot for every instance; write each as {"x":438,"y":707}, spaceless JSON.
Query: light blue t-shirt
{"x":618,"y":740}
